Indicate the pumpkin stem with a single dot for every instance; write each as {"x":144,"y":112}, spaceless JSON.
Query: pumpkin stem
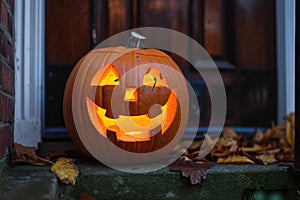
{"x":136,"y":41}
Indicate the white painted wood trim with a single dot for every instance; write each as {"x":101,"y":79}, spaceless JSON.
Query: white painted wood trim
{"x":29,"y":65}
{"x":286,"y":39}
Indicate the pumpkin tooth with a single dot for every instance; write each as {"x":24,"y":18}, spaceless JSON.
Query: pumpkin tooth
{"x":154,"y":84}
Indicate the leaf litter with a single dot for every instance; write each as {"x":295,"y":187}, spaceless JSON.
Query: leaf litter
{"x":64,"y":168}
{"x":274,"y":145}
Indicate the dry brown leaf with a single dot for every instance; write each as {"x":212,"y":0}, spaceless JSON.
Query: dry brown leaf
{"x":271,"y":151}
{"x":258,"y":137}
{"x":289,"y":129}
{"x":194,"y":154}
{"x":235,"y":160}
{"x":195,"y":146}
{"x":267,"y":158}
{"x":243,"y":140}
{"x":27,"y":155}
{"x":66,"y":170}
{"x":276,"y":132}
{"x":291,"y":118}
{"x":218,"y":154}
{"x":286,"y":157}
{"x":251,"y":157}
{"x":265,"y":147}
{"x":195,"y":170}
{"x":234,"y":148}
{"x":227,"y":142}
{"x":256,"y":148}
{"x":197,"y":176}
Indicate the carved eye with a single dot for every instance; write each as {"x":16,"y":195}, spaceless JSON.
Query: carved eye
{"x":110,"y":76}
{"x":154,"y":77}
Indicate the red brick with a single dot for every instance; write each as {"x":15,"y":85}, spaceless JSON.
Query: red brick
{"x":3,"y":108}
{"x":3,"y":13}
{"x":11,"y":3}
{"x":6,"y":48}
{"x":9,"y":53}
{"x":10,"y":25}
{"x":10,"y":110}
{"x":2,"y":42}
{"x":7,"y":80}
{"x":6,"y":141}
{"x":6,"y":77}
{"x":0,"y":75}
{"x":6,"y":109}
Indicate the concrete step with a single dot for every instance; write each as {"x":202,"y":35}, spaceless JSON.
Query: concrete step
{"x":223,"y":182}
{"x":99,"y":182}
{"x":28,"y":183}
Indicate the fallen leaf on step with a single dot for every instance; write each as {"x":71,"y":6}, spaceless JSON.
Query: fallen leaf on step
{"x":66,"y":170}
{"x":267,"y":158}
{"x":255,"y":149}
{"x":235,"y":160}
{"x":27,"y":155}
{"x":195,"y":170}
{"x":290,"y":129}
{"x":258,"y":137}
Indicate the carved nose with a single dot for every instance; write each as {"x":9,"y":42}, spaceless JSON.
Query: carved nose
{"x":131,"y":95}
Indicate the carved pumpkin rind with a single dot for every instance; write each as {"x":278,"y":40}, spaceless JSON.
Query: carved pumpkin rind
{"x":67,"y":110}
{"x":125,"y":63}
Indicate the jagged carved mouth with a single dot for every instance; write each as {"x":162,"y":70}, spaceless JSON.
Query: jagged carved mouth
{"x":135,"y":128}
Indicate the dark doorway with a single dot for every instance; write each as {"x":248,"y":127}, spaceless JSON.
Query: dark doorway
{"x":239,"y":35}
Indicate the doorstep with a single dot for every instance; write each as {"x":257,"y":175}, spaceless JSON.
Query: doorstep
{"x":28,"y":182}
{"x":99,"y":182}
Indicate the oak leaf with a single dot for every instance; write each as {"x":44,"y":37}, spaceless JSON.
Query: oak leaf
{"x":196,"y":171}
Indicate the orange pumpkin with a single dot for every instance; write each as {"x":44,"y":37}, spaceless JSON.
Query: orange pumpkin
{"x":130,"y":96}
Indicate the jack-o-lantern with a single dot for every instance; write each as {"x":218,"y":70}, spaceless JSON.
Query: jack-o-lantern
{"x":133,"y":100}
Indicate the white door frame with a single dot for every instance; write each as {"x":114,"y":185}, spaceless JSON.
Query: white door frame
{"x":30,"y":65}
{"x":286,"y":40}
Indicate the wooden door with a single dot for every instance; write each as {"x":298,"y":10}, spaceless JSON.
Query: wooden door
{"x":238,"y":34}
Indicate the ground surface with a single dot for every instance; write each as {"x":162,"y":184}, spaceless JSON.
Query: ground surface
{"x":99,"y":182}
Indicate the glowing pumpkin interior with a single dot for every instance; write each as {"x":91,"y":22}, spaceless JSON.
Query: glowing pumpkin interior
{"x":155,"y":105}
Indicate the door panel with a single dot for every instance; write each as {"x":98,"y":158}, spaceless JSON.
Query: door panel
{"x":68,"y":38}
{"x":238,"y":34}
{"x":68,"y":30}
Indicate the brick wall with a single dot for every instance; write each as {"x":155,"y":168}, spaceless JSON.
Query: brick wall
{"x":6,"y":76}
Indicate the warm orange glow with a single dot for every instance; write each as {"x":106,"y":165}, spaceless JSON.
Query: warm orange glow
{"x":131,"y":94}
{"x":133,"y":128}
{"x":154,"y":77}
{"x":110,"y":76}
